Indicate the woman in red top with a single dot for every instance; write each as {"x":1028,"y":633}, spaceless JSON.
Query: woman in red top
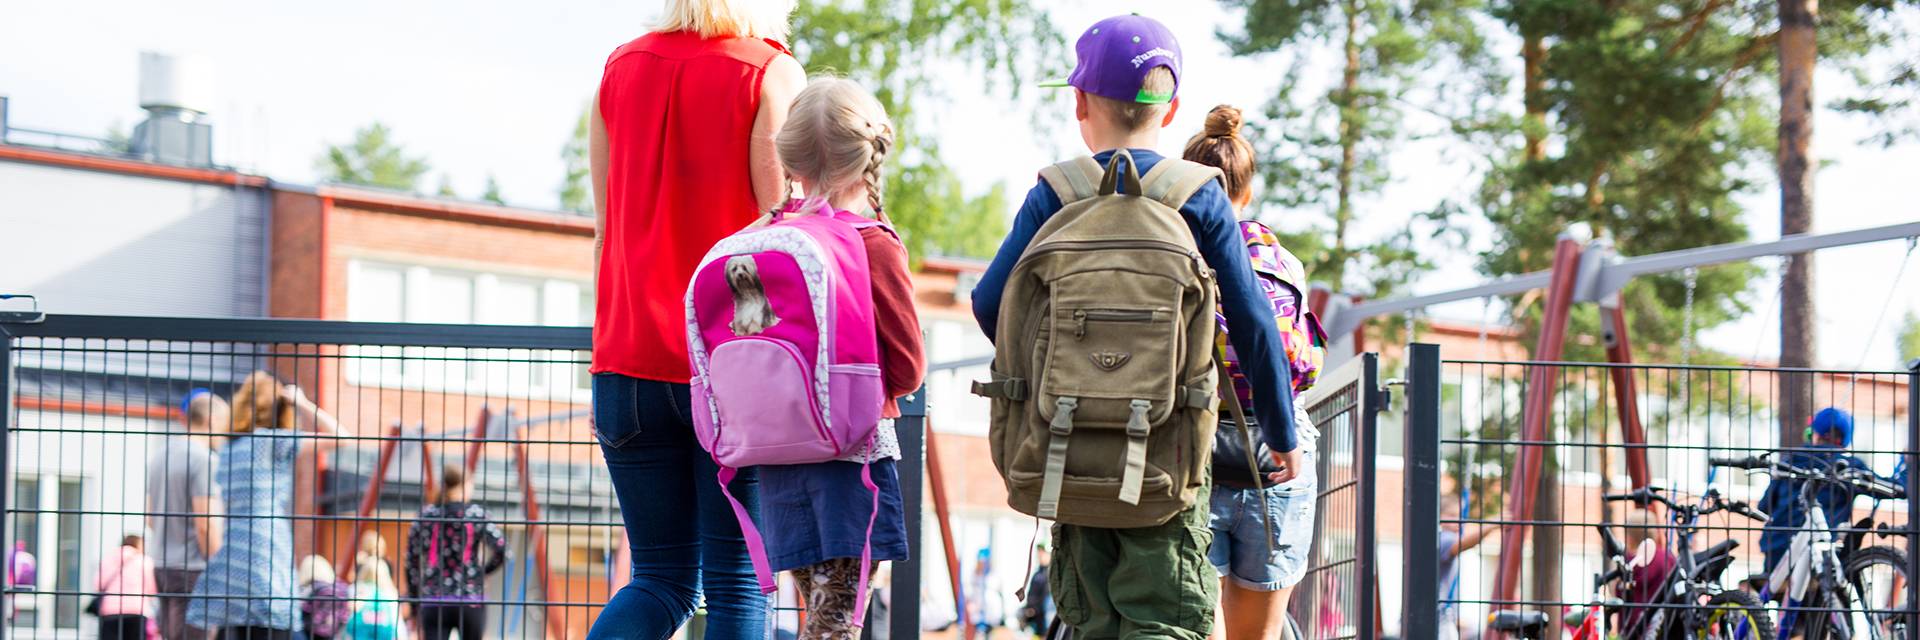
{"x":683,"y":155}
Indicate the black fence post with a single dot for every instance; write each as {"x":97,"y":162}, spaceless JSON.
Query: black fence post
{"x":1912,"y":460}
{"x":903,"y":610}
{"x":6,"y":467}
{"x":1421,"y":588}
{"x":1366,"y":460}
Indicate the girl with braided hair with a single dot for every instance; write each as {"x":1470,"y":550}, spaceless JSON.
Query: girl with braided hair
{"x":815,"y":516}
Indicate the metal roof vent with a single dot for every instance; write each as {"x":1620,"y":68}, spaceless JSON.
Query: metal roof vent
{"x":175,"y":91}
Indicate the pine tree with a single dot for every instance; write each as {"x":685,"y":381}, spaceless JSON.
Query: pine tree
{"x":492,"y":192}
{"x":1320,"y":152}
{"x":373,"y":159}
{"x":576,"y":189}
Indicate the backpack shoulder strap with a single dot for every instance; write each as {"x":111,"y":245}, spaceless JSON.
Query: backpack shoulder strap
{"x":1174,"y":181}
{"x":1074,"y":180}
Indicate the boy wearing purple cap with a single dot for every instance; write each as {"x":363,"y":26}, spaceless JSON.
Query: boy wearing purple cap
{"x":1150,"y":582}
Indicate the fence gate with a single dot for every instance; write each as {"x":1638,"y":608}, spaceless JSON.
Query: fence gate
{"x":1338,"y":599}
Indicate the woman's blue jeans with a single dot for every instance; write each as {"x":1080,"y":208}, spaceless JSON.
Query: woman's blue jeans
{"x":680,"y":529}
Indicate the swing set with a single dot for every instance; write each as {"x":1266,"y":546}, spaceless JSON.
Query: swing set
{"x":476,"y":437}
{"x":1591,"y":271}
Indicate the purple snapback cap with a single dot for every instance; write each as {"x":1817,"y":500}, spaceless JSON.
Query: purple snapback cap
{"x":1115,"y":55}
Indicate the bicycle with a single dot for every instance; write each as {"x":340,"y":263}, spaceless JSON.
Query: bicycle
{"x":1692,"y":603}
{"x":1836,"y":578}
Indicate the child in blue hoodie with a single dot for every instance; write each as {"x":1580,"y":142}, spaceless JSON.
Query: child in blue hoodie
{"x":1831,"y":433}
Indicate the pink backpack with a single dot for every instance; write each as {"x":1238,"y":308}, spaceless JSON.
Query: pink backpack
{"x":786,"y":365}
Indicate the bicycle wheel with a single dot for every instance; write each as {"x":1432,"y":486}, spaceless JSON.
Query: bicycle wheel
{"x":1879,"y":577}
{"x":1828,"y":619}
{"x":1736,"y":615}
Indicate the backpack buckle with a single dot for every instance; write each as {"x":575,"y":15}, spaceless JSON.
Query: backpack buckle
{"x":1063,"y":409}
{"x":1137,"y":421}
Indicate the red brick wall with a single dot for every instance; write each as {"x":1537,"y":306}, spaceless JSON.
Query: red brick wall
{"x":295,"y":255}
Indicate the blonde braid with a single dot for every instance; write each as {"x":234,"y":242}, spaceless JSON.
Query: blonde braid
{"x":881,"y":138}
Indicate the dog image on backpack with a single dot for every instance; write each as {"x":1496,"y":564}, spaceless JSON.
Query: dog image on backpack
{"x":752,"y":313}
{"x":808,"y":397}
{"x":1104,"y":386}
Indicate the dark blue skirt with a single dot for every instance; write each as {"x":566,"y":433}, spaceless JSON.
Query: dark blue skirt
{"x":811,"y":513}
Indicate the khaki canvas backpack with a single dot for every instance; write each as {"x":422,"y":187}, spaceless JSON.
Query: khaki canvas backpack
{"x":1103,"y":382}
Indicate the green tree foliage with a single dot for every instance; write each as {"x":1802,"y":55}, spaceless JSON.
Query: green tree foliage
{"x":117,"y":141}
{"x":1908,"y":342}
{"x":1321,"y":151}
{"x":1656,"y":114}
{"x":492,"y":192}
{"x":446,"y":187}
{"x":373,"y":159}
{"x":576,"y":189}
{"x":890,"y":47}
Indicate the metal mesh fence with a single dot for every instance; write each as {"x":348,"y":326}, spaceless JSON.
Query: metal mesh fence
{"x":326,"y":461}
{"x":245,"y":500}
{"x":1336,"y":598}
{"x":1667,"y":495}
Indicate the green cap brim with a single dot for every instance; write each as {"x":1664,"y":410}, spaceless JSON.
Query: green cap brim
{"x":1146,"y":97}
{"x":1055,"y":83}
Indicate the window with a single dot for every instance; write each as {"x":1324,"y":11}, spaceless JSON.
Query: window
{"x":66,"y":611}
{"x":378,"y":292}
{"x":26,"y":530}
{"x":54,"y":541}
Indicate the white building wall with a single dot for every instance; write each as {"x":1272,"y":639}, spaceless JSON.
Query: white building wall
{"x":91,"y":242}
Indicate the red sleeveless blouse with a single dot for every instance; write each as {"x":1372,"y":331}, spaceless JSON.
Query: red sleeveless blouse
{"x":679,"y":113}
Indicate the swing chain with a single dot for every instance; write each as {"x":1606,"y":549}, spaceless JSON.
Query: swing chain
{"x":1686,"y":331}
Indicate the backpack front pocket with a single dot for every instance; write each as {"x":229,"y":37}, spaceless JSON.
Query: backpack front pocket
{"x":768,"y":410}
{"x":1109,"y":357}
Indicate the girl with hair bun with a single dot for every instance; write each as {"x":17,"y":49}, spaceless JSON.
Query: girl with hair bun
{"x":1257,"y":572}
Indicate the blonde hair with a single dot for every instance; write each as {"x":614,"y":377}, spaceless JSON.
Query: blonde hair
{"x":370,"y":565}
{"x":1137,"y":116}
{"x":257,"y":405}
{"x":728,"y":18}
{"x":836,"y":136}
{"x":1219,"y":145}
{"x":315,"y":569}
{"x":202,"y":408}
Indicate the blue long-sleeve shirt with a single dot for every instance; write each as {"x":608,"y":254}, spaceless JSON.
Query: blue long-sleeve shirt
{"x":1781,"y":502}
{"x":1250,"y":323}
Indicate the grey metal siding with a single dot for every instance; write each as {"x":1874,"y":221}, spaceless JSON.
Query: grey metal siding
{"x":92,"y":242}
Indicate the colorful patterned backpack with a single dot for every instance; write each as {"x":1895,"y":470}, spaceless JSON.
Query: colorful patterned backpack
{"x":786,"y":364}
{"x":1284,"y":280}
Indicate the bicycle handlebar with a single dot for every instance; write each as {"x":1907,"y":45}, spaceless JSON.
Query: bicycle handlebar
{"x":1747,"y":510}
{"x":1861,"y":480}
{"x":1749,"y":462}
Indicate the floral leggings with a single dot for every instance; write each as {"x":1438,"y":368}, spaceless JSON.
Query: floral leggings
{"x":831,"y":589}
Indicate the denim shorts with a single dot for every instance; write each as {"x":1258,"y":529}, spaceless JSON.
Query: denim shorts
{"x":1240,"y":551}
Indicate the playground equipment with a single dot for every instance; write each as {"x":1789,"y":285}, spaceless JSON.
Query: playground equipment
{"x":1584,"y":270}
{"x":477,"y":437}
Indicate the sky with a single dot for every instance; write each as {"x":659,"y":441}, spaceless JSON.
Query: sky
{"x":492,"y":87}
